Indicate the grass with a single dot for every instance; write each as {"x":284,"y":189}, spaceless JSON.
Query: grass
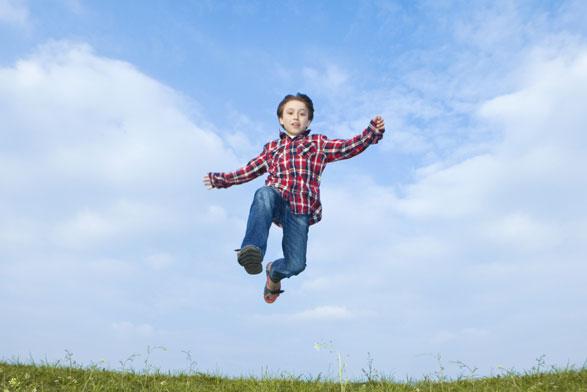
{"x":74,"y":377}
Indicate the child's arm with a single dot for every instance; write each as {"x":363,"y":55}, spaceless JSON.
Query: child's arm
{"x":250,"y":171}
{"x":337,"y":149}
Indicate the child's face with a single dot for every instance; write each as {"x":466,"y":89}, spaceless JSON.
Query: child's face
{"x":295,"y":118}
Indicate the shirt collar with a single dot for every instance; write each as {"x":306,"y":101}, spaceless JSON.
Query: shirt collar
{"x":282,"y":134}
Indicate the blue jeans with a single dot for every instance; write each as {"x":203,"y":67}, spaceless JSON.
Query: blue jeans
{"x":268,"y":206}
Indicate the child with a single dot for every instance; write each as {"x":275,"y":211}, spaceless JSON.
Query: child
{"x":291,"y":195}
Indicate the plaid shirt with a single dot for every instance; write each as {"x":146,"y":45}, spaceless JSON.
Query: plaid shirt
{"x":295,"y":166}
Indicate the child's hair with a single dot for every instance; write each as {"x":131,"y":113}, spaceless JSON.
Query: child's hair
{"x":298,"y":97}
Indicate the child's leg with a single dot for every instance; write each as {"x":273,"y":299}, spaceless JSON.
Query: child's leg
{"x":267,"y":203}
{"x":294,"y":244}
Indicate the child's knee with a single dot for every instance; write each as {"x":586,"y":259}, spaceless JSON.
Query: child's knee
{"x":298,"y":266}
{"x":264,"y":195}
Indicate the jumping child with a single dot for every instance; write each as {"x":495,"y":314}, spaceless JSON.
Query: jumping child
{"x":291,"y":195}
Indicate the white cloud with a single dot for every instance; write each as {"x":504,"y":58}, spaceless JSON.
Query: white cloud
{"x":492,"y":26}
{"x":128,"y":329}
{"x":246,"y":137}
{"x":442,"y":337}
{"x":100,"y":171}
{"x":14,"y":12}
{"x":160,"y":261}
{"x":74,"y":6}
{"x":121,"y":144}
{"x":322,"y":313}
{"x":523,"y":231}
{"x":494,"y":237}
{"x":539,"y":158}
{"x":330,"y":78}
{"x":94,"y":118}
{"x":326,"y":283}
{"x":121,"y":219}
{"x":108,"y":267}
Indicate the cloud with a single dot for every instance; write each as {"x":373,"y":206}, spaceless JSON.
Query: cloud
{"x":442,"y":337}
{"x":75,"y":6}
{"x":14,"y":12}
{"x":98,"y":127}
{"x":541,"y":127}
{"x":322,"y":313}
{"x":492,"y":26}
{"x":100,"y":171}
{"x":160,"y":261}
{"x":317,"y":314}
{"x":331,"y":78}
{"x":127,"y":329}
{"x":477,"y":248}
{"x":89,"y":227}
{"x":496,"y":237}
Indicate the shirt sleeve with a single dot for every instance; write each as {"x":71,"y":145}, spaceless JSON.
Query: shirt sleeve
{"x":256,"y":167}
{"x":338,"y":149}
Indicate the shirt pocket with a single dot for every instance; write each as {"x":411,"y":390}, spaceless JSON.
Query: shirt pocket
{"x":276,"y":157}
{"x":314,"y":158}
{"x":307,"y":150}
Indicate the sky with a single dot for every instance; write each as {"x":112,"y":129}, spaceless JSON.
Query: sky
{"x":455,"y":246}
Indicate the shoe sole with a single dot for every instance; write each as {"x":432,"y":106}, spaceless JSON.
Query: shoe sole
{"x":250,"y":258}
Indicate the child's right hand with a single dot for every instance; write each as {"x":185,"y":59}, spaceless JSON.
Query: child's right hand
{"x":207,"y":182}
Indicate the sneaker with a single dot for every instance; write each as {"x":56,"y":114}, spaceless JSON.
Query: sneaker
{"x":250,"y":257}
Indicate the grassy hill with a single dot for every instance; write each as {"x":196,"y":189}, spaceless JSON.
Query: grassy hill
{"x":37,"y":378}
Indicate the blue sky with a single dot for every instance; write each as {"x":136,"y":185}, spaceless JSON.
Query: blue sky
{"x":461,"y":236}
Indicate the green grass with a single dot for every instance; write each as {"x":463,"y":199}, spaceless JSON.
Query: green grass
{"x":73,"y":377}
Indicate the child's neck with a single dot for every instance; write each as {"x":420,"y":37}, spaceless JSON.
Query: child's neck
{"x":294,"y":136}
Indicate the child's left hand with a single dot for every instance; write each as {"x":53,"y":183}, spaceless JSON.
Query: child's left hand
{"x":379,"y":123}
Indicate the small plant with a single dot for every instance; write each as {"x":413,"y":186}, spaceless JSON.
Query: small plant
{"x":341,"y":365}
{"x":370,"y":373}
{"x":463,"y":366}
{"x":192,"y":365}
{"x":148,"y":366}
{"x":60,"y":376}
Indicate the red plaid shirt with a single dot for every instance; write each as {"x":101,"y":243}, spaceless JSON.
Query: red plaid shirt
{"x":295,"y":166}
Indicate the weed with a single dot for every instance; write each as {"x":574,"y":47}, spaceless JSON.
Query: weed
{"x":370,"y":373}
{"x":341,"y":365}
{"x":68,"y":375}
